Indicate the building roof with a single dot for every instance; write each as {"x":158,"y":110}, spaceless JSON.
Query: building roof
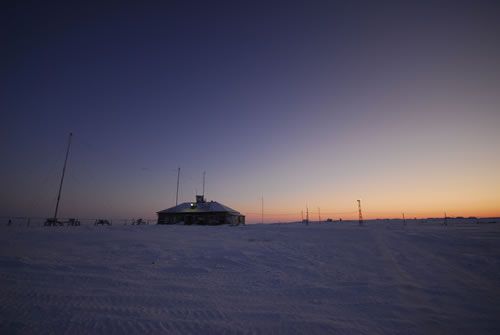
{"x":200,"y":207}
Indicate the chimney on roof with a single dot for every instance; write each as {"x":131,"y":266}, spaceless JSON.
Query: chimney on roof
{"x":200,"y":199}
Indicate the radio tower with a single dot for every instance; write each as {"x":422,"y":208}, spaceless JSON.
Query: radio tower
{"x":360,"y":219}
{"x":62,"y":179}
{"x":307,"y":215}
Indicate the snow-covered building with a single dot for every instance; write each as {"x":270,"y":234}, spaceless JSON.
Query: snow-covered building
{"x":200,"y":212}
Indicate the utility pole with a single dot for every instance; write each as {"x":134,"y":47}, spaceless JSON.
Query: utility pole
{"x":360,"y":218}
{"x":404,"y":219}
{"x":319,"y":215}
{"x":62,"y":177}
{"x":302,"y":216}
{"x":445,"y":219}
{"x":177,"y":193}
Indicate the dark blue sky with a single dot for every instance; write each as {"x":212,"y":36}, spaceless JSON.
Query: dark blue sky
{"x":314,"y":101}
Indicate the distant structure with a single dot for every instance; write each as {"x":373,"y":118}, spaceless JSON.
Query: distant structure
{"x":71,"y":222}
{"x":200,"y":212}
{"x":306,"y":221}
{"x":102,"y":222}
{"x":177,"y":192}
{"x":360,"y":219}
{"x":53,"y":221}
{"x":262,"y":211}
{"x":140,"y":221}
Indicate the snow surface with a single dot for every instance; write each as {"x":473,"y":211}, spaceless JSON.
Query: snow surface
{"x":383,"y":278}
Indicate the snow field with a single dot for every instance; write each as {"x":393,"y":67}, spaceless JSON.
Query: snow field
{"x":256,"y":279}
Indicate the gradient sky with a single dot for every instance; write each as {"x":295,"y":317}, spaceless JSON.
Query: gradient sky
{"x":317,"y":102}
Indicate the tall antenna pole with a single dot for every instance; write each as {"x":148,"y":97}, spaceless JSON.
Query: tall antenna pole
{"x":307,"y":214}
{"x":262,"y":211}
{"x":302,"y":216}
{"x":203,"y":194}
{"x":62,"y":176}
{"x":360,"y":219}
{"x":177,"y":193}
{"x":404,"y":219}
{"x":319,"y":215}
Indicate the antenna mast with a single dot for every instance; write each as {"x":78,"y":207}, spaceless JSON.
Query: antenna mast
{"x":262,"y":211}
{"x":177,"y":193}
{"x":203,"y":185}
{"x":360,"y":219}
{"x":62,"y":176}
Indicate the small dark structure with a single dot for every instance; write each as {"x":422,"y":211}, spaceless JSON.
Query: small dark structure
{"x":140,"y":222}
{"x":200,"y":212}
{"x":73,"y":222}
{"x":56,"y":222}
{"x":102,"y":222}
{"x":52,"y":222}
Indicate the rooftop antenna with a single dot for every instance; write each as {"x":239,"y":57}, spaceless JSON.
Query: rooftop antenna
{"x":62,"y":176}
{"x":360,"y":218}
{"x":177,"y":193}
{"x":203,"y":194}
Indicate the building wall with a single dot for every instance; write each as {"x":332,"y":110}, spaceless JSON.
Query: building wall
{"x":200,"y":218}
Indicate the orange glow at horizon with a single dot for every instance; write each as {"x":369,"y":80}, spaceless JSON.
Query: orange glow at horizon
{"x":255,"y":217}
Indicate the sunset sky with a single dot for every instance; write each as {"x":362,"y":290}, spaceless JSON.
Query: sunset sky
{"x":300,"y":102}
